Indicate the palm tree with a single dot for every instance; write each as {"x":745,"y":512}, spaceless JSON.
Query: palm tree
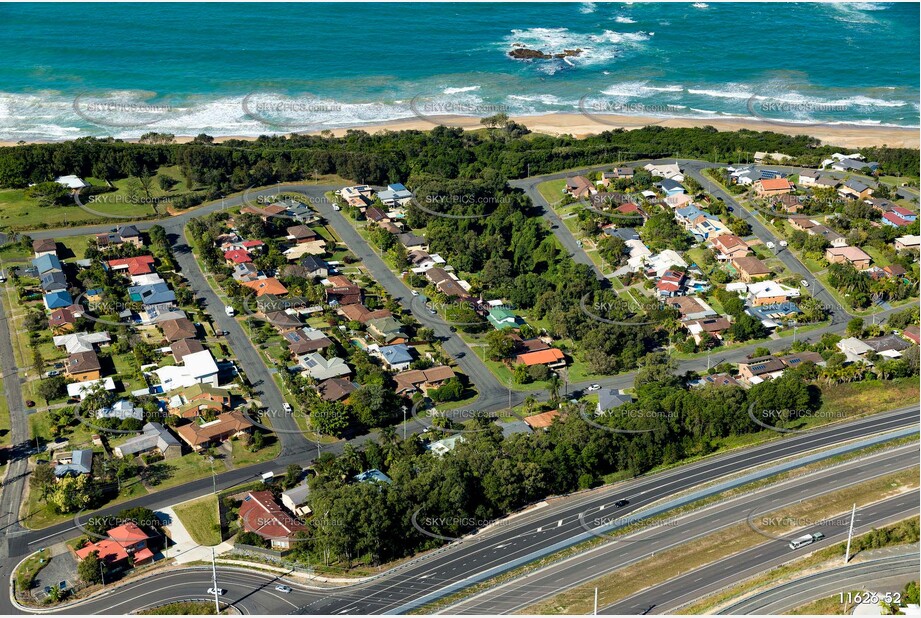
{"x":553,"y":385}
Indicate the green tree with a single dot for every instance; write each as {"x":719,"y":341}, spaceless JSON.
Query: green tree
{"x":90,"y":569}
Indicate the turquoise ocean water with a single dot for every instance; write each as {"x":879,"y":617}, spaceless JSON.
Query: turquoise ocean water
{"x":246,"y":69}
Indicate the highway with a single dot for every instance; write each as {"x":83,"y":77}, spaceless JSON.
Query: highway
{"x":520,"y":593}
{"x":701,"y":582}
{"x":881,"y":575}
{"x":255,"y":591}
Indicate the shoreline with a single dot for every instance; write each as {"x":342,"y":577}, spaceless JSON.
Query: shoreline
{"x":580,"y":126}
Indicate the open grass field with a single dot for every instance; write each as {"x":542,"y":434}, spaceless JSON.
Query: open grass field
{"x":200,"y":517}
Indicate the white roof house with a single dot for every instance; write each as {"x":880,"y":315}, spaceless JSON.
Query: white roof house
{"x":81,"y":342}
{"x":80,"y":389}
{"x":296,"y":499}
{"x":197,"y":368}
{"x":670,"y":171}
{"x":320,"y":368}
{"x":121,"y":409}
{"x":854,"y":349}
{"x":71,"y":182}
{"x":770,"y":289}
{"x":664,"y":261}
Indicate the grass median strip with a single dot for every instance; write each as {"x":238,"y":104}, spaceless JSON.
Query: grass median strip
{"x":200,"y":518}
{"x":673,"y":563}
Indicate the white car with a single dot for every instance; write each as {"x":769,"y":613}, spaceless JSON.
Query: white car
{"x":783,"y":243}
{"x":229,"y":310}
{"x":283,"y":588}
{"x":594,"y":387}
{"x":336,"y":207}
{"x":804,"y":283}
{"x":219,"y":591}
{"x":414,"y":292}
{"x":770,"y":245}
{"x":287,"y":407}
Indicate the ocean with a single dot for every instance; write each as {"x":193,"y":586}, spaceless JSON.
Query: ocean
{"x":71,"y":70}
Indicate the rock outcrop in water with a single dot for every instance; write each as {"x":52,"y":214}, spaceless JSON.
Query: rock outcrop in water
{"x":524,"y":53}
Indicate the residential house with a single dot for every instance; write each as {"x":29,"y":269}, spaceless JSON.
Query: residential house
{"x":802,"y":224}
{"x":913,"y":333}
{"x":270,"y":285}
{"x":396,"y":357}
{"x":779,"y":157}
{"x":767,"y":187}
{"x":53,"y":281}
{"x":910,"y":242}
{"x":180,"y":328}
{"x":64,"y":319}
{"x":336,"y":389}
{"x":158,"y":296}
{"x":185,"y":347}
{"x":387,"y":330}
{"x":855,"y":189}
{"x":283,"y":321}
{"x":502,"y":318}
{"x":237,"y":256}
{"x":265,"y":212}
{"x":395,"y":195}
{"x":78,"y":463}
{"x":827,"y":182}
{"x":125,"y":545}
{"x":361,"y":314}
{"x":542,"y":420}
{"x":729,"y":247}
{"x":301,"y":234}
{"x":893,"y":220}
{"x":57,"y":300}
{"x":757,"y":370}
{"x":691,"y":307}
{"x":668,"y":170}
{"x":295,"y":499}
{"x":154,"y":438}
{"x":260,"y":514}
{"x":834,"y":238}
{"x":83,"y":366}
{"x":798,"y":358}
{"x":44,"y":246}
{"x":670,"y":186}
{"x":854,"y":349}
{"x":750,"y":268}
{"x":227,"y":425}
{"x":850,"y":255}
{"x":442,"y":447}
{"x":808,"y":178}
{"x":853,"y":165}
{"x":679,"y":200}
{"x":787,"y":202}
{"x":421,"y":380}
{"x":80,"y":390}
{"x":579,"y":187}
{"x":81,"y":342}
{"x":372,"y":476}
{"x":774,"y":315}
{"x":609,"y":399}
{"x":770,"y":293}
{"x":306,"y":340}
{"x":320,"y":368}
{"x":657,"y":265}
{"x":890,"y":346}
{"x":47,"y":262}
{"x":718,"y":380}
{"x":133,"y":266}
{"x":671,"y":283}
{"x":715,"y":327}
{"x":413,"y":241}
{"x":197,"y":368}
{"x":315,"y":267}
{"x":550,"y":357}
{"x":190,"y":402}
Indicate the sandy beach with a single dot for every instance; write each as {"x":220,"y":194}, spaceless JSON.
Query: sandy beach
{"x":579,"y":125}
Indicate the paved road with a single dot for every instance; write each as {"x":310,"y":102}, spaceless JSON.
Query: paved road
{"x":383,"y":595}
{"x":707,"y":580}
{"x":881,"y":575}
{"x":523,"y":592}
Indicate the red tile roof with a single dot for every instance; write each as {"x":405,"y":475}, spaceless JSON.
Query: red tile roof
{"x":140,"y":265}
{"x":238,"y":256}
{"x":262,"y":515}
{"x":541,"y":357}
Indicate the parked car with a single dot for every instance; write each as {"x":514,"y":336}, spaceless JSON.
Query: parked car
{"x":804,"y":283}
{"x":414,"y":292}
{"x":52,"y":373}
{"x":287,"y":407}
{"x":783,"y":243}
{"x":594,"y":387}
{"x":770,"y":245}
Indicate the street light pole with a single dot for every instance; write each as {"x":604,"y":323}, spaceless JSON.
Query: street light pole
{"x":217,"y":605}
{"x":850,"y":533}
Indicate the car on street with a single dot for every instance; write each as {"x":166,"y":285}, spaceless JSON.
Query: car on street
{"x":806,"y":539}
{"x":460,"y":355}
{"x":770,"y":245}
{"x":229,"y":311}
{"x":783,"y":243}
{"x":621,"y":502}
{"x":217,"y":591}
{"x":594,"y":387}
{"x":283,"y":588}
{"x":336,"y":207}
{"x":287,"y":407}
{"x":414,"y":292}
{"x":804,"y":283}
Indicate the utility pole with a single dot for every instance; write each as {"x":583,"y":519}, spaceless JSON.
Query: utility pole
{"x":595,"y":612}
{"x":850,"y":533}
{"x":102,"y":574}
{"x":217,"y":605}
{"x":404,"y":423}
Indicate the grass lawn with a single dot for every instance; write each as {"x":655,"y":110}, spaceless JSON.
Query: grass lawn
{"x":73,"y":248}
{"x":200,"y":518}
{"x":4,"y":418}
{"x":877,"y":255}
{"x":165,"y":474}
{"x":37,"y":514}
{"x":29,"y":568}
{"x":183,"y":608}
{"x":243,"y":457}
{"x":77,"y":434}
{"x":552,"y":190}
{"x":869,"y":397}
